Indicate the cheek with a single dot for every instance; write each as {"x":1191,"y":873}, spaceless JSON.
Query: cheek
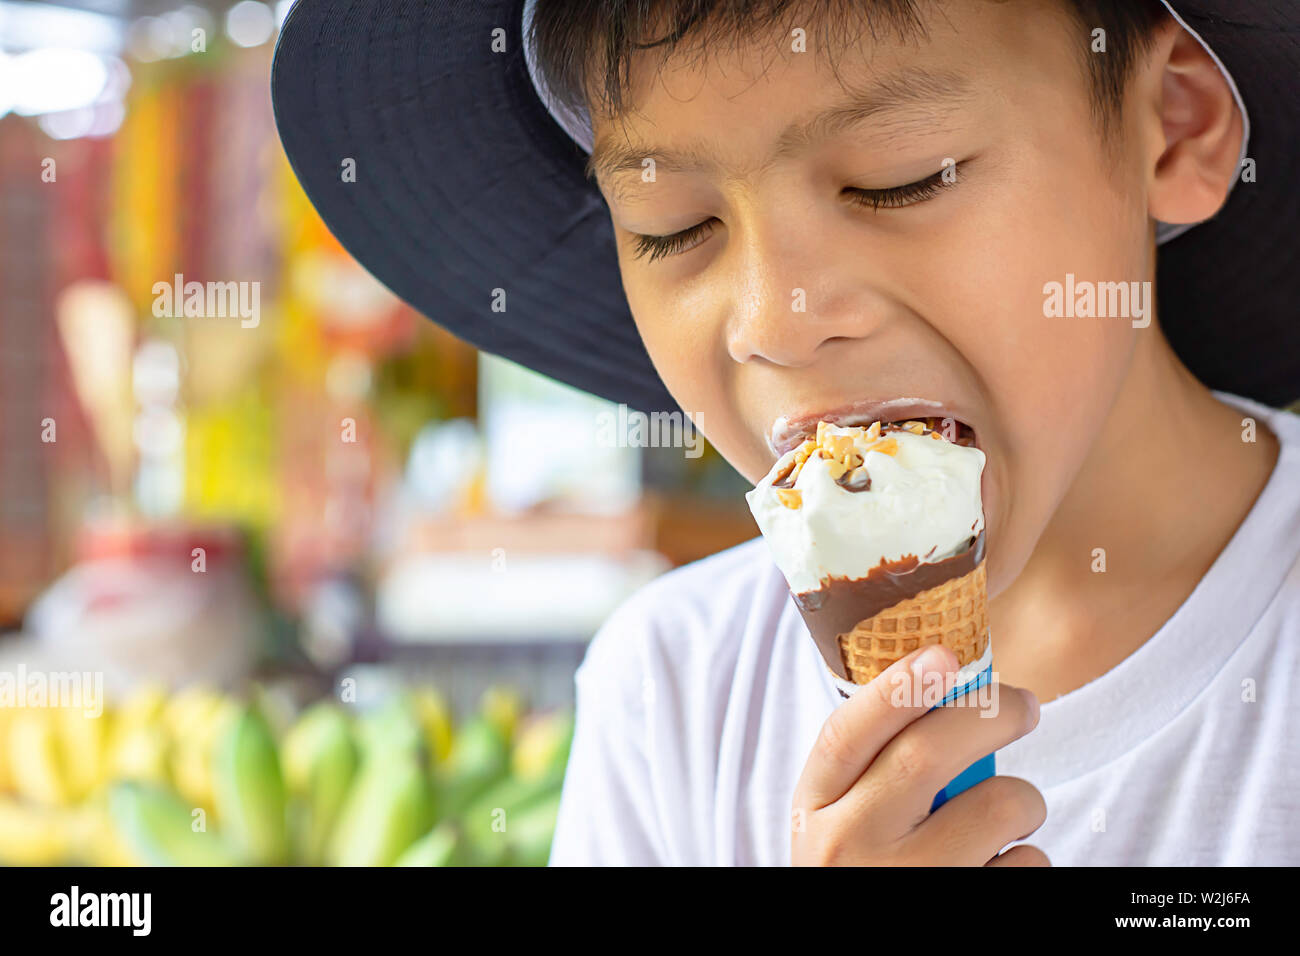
{"x":1051,"y":379}
{"x":685,"y":337}
{"x":679,"y":333}
{"x":1050,"y":382}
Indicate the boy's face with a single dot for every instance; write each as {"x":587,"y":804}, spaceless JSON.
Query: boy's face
{"x":938,"y":299}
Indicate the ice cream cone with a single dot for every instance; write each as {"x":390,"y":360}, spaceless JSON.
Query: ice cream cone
{"x":954,"y":613}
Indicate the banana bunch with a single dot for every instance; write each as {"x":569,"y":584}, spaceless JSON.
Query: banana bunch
{"x":251,"y":800}
{"x":197,"y":778}
{"x":319,"y":757}
{"x":58,"y":765}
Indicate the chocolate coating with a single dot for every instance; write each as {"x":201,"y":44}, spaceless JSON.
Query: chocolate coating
{"x":841,"y":603}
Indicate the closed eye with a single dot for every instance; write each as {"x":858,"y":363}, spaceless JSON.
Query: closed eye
{"x":660,"y":246}
{"x":893,"y":197}
{"x":897,"y":196}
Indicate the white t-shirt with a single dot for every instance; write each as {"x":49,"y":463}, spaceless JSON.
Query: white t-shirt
{"x":701,"y":697}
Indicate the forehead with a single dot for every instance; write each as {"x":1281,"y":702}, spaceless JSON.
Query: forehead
{"x":765,"y":95}
{"x":902,"y":100}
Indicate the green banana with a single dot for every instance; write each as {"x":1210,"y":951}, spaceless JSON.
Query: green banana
{"x":320,"y":760}
{"x":439,"y":847}
{"x":388,"y":808}
{"x":532,"y":828}
{"x":248,"y":789}
{"x":479,"y":758}
{"x":503,"y":818}
{"x":392,"y":727}
{"x":157,"y":827}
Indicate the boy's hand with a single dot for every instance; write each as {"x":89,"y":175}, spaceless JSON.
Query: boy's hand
{"x":864,"y":796}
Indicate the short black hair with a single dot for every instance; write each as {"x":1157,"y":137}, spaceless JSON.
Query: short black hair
{"x":585,"y":47}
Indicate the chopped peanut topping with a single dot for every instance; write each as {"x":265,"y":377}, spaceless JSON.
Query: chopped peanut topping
{"x":837,"y":446}
{"x":801,"y":455}
{"x":839,"y":466}
{"x":841,"y":452}
{"x":843,"y":455}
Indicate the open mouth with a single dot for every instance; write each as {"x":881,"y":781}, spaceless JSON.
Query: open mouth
{"x":787,"y":434}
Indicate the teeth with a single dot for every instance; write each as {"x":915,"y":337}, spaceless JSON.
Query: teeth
{"x":785,"y":439}
{"x":962,"y":432}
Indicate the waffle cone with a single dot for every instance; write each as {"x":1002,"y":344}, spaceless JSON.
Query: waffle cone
{"x":955,"y":614}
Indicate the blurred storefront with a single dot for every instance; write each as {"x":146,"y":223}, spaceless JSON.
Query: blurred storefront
{"x":310,"y":501}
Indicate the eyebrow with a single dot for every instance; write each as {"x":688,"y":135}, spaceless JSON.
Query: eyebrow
{"x":928,"y":94}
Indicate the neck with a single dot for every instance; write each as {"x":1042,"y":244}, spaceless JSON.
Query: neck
{"x":1166,"y":485}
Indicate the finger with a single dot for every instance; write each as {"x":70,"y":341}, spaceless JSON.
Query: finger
{"x":921,"y":759}
{"x":970,"y":828}
{"x":1022,"y":854}
{"x":857,"y":730}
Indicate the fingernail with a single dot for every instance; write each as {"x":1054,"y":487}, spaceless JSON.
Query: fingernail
{"x":934,"y":660}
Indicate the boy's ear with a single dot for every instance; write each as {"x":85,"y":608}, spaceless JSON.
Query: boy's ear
{"x":1202,"y":129}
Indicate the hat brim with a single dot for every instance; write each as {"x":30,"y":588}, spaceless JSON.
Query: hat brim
{"x":469,"y":202}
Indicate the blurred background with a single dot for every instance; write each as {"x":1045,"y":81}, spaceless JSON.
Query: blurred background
{"x":309,"y":587}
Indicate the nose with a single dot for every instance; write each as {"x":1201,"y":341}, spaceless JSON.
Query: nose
{"x":796,"y":297}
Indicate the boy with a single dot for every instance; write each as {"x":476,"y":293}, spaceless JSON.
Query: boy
{"x":889,"y":210}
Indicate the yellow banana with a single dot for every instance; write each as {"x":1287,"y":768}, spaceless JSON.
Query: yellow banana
{"x":186,"y":713}
{"x":144,"y":706}
{"x":34,"y":757}
{"x":502,"y":706}
{"x":435,"y":717}
{"x":191,"y":772}
{"x":97,"y":841}
{"x":195,"y":730}
{"x":542,"y":746}
{"x":83,"y":741}
{"x":139,"y":752}
{"x":6,"y":776}
{"x":33,"y":836}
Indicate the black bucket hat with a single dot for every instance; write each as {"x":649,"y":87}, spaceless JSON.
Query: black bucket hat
{"x":466,"y":182}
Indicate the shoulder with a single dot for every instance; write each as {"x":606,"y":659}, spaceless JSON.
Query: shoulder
{"x":1281,"y":497}
{"x":695,"y":615}
{"x":1272,"y":531}
{"x":1283,"y":423}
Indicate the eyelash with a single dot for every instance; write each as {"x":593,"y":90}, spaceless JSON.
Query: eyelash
{"x":897,"y":196}
{"x":894,"y":197}
{"x":660,"y":246}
